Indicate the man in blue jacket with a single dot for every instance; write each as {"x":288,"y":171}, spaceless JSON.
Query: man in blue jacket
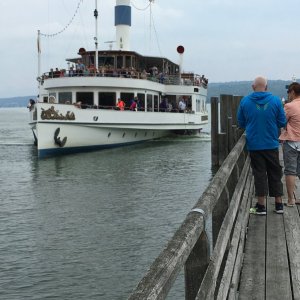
{"x":262,"y":115}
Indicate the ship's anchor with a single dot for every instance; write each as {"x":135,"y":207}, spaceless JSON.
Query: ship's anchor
{"x":57,"y":138}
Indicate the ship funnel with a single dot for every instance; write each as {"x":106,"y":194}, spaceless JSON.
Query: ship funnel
{"x":123,"y":23}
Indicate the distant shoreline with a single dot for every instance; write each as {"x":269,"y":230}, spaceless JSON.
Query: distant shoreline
{"x":240,"y":88}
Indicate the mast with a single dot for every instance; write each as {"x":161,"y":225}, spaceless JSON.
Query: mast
{"x":96,"y":35}
{"x":39,"y":56}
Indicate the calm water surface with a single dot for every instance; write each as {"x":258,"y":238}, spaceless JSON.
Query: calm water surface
{"x":88,"y":226}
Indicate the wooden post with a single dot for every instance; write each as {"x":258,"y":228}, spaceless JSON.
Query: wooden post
{"x":235,"y":105}
{"x":195,"y":267}
{"x":223,"y":147}
{"x":214,"y":131}
{"x":230,"y":134}
{"x":224,"y":111}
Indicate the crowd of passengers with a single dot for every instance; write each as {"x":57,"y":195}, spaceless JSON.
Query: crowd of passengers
{"x":135,"y":104}
{"x":154,"y":73}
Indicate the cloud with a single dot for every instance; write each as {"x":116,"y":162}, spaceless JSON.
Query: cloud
{"x":223,"y":39}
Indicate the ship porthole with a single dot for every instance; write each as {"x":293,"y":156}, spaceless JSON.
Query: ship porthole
{"x":109,"y":134}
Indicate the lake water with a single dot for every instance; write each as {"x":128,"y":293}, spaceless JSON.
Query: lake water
{"x":88,"y":226}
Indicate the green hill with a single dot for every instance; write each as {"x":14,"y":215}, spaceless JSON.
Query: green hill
{"x":242,"y":88}
{"x":15,"y":101}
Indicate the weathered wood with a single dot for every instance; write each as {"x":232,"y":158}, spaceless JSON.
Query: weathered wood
{"x":196,"y":266}
{"x":219,"y":213}
{"x":209,"y":281}
{"x":223,"y":147}
{"x":236,"y":103}
{"x":225,"y":111}
{"x":252,"y":284}
{"x":224,"y":139}
{"x":164,"y":270}
{"x":240,"y":254}
{"x":212,"y":193}
{"x":214,"y":131}
{"x":240,"y":225}
{"x":230,"y":134}
{"x":277,"y":268}
{"x":292,"y":232}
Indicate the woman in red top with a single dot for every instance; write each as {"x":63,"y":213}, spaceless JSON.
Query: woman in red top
{"x":121,"y":104}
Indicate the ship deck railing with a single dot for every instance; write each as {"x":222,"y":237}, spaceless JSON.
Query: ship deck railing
{"x":127,"y":108}
{"x":188,"y":79}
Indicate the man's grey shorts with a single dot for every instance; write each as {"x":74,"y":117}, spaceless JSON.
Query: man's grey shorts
{"x":291,"y":158}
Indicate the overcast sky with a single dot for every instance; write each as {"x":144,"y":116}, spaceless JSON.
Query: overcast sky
{"x":227,"y":40}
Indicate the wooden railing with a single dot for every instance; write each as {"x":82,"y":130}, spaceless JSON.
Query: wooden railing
{"x":207,"y":274}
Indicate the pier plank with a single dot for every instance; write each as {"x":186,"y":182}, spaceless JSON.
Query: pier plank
{"x":237,"y":239}
{"x":278,"y":284}
{"x":252,"y":284}
{"x":292,"y":231}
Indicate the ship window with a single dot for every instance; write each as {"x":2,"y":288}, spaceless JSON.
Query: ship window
{"x":141,"y":97}
{"x":119,"y":62}
{"x":126,"y":97}
{"x":106,"y":61}
{"x":128,"y":61}
{"x":65,"y":97}
{"x":86,"y":98}
{"x":149,"y":103}
{"x":107,"y":100}
{"x":156,"y":104}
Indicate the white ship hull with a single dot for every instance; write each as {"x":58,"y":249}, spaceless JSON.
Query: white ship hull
{"x":92,"y":129}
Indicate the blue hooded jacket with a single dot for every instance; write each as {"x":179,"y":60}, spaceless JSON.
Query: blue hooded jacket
{"x":261,"y":114}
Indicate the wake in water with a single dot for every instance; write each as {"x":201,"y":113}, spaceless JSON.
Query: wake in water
{"x":201,"y":137}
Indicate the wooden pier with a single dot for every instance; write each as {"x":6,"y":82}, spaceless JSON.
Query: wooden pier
{"x":248,"y":256}
{"x":271,"y":258}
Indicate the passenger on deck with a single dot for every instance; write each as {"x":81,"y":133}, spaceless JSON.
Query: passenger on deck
{"x":144,"y":74}
{"x":121,"y":104}
{"x":78,"y":104}
{"x":132,"y":105}
{"x":56,"y":73}
{"x":31,"y":104}
{"x":51,"y":73}
{"x":71,"y":72}
{"x":163,"y":106}
{"x":138,"y":103}
{"x":181,"y":105}
{"x":92,"y":70}
{"x":80,"y":68}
